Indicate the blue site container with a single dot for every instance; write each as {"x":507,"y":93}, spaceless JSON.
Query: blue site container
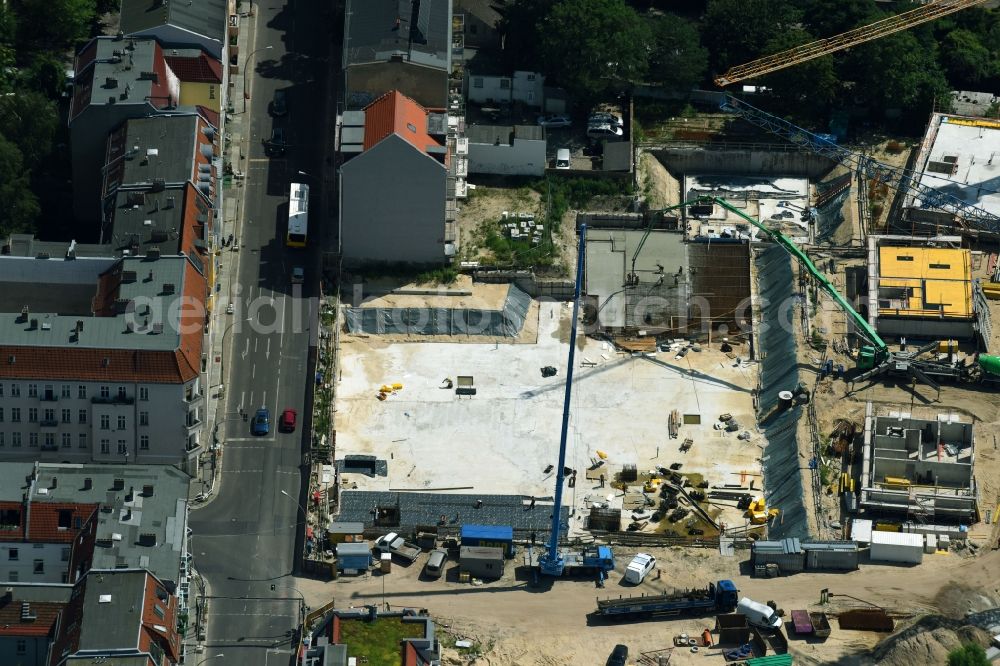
{"x":489,"y":536}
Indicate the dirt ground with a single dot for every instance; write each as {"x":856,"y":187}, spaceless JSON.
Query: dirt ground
{"x":486,"y":204}
{"x":513,"y":623}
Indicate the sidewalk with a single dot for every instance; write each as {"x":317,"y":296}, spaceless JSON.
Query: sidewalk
{"x":205,"y":485}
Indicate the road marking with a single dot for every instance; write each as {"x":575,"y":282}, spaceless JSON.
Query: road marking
{"x":255,"y":341}
{"x":261,"y":159}
{"x":243,"y":394}
{"x":263,"y":403}
{"x":248,"y":439}
{"x":253,"y":371}
{"x":267,"y":352}
{"x":246,"y":348}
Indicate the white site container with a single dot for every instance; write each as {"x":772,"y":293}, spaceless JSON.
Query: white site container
{"x":930,"y":543}
{"x":897,"y":547}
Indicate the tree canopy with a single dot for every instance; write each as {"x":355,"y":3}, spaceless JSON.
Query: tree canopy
{"x":969,"y":654}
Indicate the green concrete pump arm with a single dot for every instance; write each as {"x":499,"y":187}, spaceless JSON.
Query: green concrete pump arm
{"x":867,"y":331}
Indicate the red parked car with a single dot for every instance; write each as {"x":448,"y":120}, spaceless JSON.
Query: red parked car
{"x":288,"y":418}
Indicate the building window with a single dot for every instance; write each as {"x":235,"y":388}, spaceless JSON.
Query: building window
{"x":1,"y":439}
{"x":67,"y":416}
{"x":50,"y":415}
{"x":105,"y":422}
{"x":1,"y":390}
{"x":144,"y":393}
{"x":39,"y":566}
{"x":1,"y":414}
{"x":32,"y":390}
{"x":121,"y":422}
{"x":22,"y":646}
{"x":121,"y":391}
{"x":105,"y":446}
{"x":504,"y":84}
{"x":477,"y":82}
{"x":105,"y":392}
{"x":13,"y":577}
{"x":81,"y":392}
{"x":82,"y":439}
{"x":65,"y":577}
{"x":50,"y":440}
{"x":122,"y":447}
{"x":158,"y":609}
{"x":65,"y":391}
{"x":12,"y":554}
{"x":33,"y":439}
{"x":82,"y":416}
{"x":32,"y":415}
{"x":143,"y":418}
{"x":15,"y":390}
{"x":15,"y":440}
{"x":65,"y":554}
{"x":67,"y":440}
{"x":15,"y":414}
{"x":144,"y":442}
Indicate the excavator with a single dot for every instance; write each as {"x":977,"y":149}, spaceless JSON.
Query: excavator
{"x":874,"y":358}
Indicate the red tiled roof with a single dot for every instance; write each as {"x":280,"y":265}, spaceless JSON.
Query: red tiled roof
{"x":13,"y":534}
{"x":43,"y":521}
{"x":202,"y":69}
{"x":46,"y":613}
{"x":167,"y":640}
{"x":210,"y":116}
{"x":159,"y":95}
{"x":395,"y":113}
{"x":192,"y":323}
{"x":124,"y":365}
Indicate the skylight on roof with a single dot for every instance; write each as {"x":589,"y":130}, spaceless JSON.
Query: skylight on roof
{"x":411,"y":127}
{"x":104,"y":599}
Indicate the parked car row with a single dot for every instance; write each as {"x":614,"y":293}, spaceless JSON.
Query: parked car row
{"x":261,"y":423}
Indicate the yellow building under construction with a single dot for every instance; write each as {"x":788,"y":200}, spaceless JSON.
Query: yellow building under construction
{"x":923,"y":292}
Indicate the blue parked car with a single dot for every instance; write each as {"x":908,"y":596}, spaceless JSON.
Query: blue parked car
{"x":261,"y":422}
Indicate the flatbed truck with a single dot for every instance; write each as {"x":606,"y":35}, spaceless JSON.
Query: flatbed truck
{"x":719,"y":597}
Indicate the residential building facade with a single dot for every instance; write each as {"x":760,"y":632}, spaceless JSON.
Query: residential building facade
{"x":527,"y":88}
{"x":29,"y":619}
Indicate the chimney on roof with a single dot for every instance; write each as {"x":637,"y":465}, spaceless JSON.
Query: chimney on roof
{"x":153,"y":253}
{"x":147,"y":490}
{"x":27,"y":615}
{"x":128,"y":515}
{"x":169,"y":288}
{"x":55,"y":482}
{"x":147,"y":539}
{"x":24,"y":313}
{"x":88,"y":483}
{"x":110,"y":82}
{"x":170,"y":203}
{"x":119,"y":484}
{"x":34,"y":324}
{"x":131,"y":494}
{"x":79,"y":326}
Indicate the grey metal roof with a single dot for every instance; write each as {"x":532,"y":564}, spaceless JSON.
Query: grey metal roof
{"x":480,"y":553}
{"x":59,"y":292}
{"x":164,"y":513}
{"x":50,"y":592}
{"x":420,"y":30}
{"x":340,"y":527}
{"x":125,"y":61}
{"x":143,"y":220}
{"x":505,"y":134}
{"x":13,"y":482}
{"x":348,"y":549}
{"x":830,"y":545}
{"x":112,"y":623}
{"x":160,"y":147}
{"x":787,"y":546}
{"x":204,"y":17}
{"x":26,"y":245}
{"x":458,"y":509}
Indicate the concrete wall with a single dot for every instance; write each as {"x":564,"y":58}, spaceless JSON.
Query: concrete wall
{"x":925,"y":329}
{"x":367,"y":82}
{"x":696,"y":159}
{"x":393,"y":205}
{"x":523,"y":158}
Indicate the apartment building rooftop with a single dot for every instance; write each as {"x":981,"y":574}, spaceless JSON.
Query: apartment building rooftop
{"x":118,"y":70}
{"x":205,"y":17}
{"x":418,"y":30}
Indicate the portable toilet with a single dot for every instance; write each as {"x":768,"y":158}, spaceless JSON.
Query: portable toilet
{"x":385,"y":560}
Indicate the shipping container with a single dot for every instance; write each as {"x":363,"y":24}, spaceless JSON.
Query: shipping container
{"x":832,"y":555}
{"x":353,"y":557}
{"x":787,"y":554}
{"x":345,"y":532}
{"x":898,"y":547}
{"x":861,"y":531}
{"x":489,"y":536}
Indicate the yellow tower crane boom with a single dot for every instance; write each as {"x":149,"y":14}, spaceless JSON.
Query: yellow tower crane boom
{"x":844,"y":40}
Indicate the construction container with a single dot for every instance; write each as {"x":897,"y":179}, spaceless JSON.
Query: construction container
{"x":343,"y":532}
{"x":866,"y":619}
{"x":944,"y":542}
{"x":353,"y":557}
{"x":489,"y":536}
{"x":898,"y":547}
{"x":832,"y":555}
{"x":930,"y":543}
{"x":787,"y":554}
{"x":861,"y":531}
{"x":953,"y":532}
{"x":385,"y":560}
{"x":482,"y":562}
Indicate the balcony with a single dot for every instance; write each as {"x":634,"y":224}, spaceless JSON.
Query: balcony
{"x":50,"y":447}
{"x":48,"y":396}
{"x":193,"y":396}
{"x":112,"y":400}
{"x":49,"y":423}
{"x":193,"y":422}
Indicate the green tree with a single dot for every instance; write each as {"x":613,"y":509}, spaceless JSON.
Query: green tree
{"x":46,"y":74}
{"x":807,"y":88}
{"x":18,"y":203}
{"x":827,"y":18}
{"x":54,"y":24}
{"x":736,"y":31}
{"x":590,"y":46}
{"x":969,"y":654}
{"x":29,"y":120}
{"x":966,"y":59}
{"x":517,"y":28}
{"x":678,"y":60}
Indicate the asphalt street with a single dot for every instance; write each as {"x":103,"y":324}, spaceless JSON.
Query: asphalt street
{"x":244,"y":541}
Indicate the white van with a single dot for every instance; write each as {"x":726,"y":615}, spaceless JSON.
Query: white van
{"x":562,"y":158}
{"x":435,"y":563}
{"x":758,"y":614}
{"x":640,"y":565}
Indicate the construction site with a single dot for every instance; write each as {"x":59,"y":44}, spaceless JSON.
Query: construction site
{"x":768,"y":409}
